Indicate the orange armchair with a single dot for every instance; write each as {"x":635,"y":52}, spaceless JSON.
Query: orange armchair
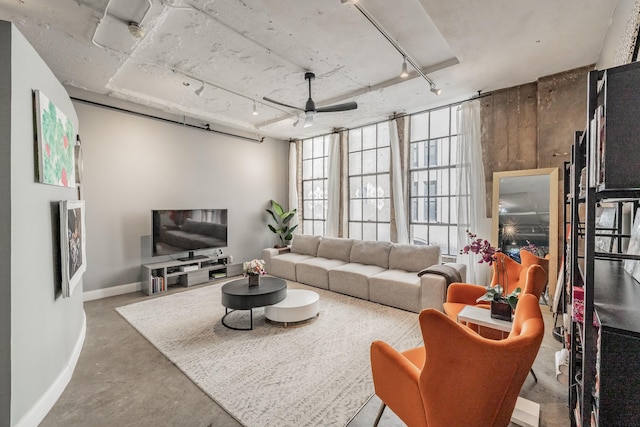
{"x":527,"y":259}
{"x":458,"y":378}
{"x":531,"y":279}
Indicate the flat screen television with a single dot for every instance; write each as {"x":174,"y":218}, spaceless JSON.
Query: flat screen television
{"x":188,"y":230}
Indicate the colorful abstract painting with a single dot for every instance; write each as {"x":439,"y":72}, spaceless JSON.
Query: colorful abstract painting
{"x":56,"y":139}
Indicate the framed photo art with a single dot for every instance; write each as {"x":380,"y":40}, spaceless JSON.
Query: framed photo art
{"x":55,"y":144}
{"x":73,"y":244}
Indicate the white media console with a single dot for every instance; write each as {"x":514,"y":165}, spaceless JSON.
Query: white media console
{"x":157,"y":277}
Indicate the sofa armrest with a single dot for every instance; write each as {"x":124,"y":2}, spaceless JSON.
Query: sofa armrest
{"x":269,"y":253}
{"x":433,"y":291}
{"x":433,"y":287}
{"x":462,"y":269}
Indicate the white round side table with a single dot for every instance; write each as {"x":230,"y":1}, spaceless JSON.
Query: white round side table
{"x":300,"y":306}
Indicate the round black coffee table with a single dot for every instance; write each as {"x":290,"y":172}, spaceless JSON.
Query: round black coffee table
{"x":238,"y":295}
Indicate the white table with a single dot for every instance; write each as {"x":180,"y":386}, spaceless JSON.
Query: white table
{"x":482,"y":316}
{"x":526,"y":412}
{"x":299,"y":306}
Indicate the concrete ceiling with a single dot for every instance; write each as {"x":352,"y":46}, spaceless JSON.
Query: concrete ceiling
{"x":244,"y":50}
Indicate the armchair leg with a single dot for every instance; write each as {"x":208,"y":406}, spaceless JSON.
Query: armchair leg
{"x":533,"y":374}
{"x":380,"y":411}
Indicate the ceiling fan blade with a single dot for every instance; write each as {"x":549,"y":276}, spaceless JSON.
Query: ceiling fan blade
{"x":308,"y":120}
{"x":281,"y":103}
{"x":338,"y":107}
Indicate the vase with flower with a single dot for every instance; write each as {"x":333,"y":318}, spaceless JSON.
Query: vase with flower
{"x":253,"y":270}
{"x":501,"y":303}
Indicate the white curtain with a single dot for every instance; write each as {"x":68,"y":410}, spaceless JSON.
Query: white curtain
{"x":397,"y":184}
{"x":471,"y":188}
{"x":293,"y":182}
{"x":333,"y":188}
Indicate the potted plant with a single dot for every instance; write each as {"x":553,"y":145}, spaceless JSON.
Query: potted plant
{"x":253,"y":270}
{"x":281,"y":227}
{"x":502,"y":304}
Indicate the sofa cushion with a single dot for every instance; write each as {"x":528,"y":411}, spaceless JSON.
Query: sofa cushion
{"x":413,"y":257}
{"x":315,"y":271}
{"x":284,"y":265}
{"x":335,"y":248}
{"x":305,"y":244}
{"x":396,"y":288}
{"x":352,"y":279}
{"x":371,"y":253}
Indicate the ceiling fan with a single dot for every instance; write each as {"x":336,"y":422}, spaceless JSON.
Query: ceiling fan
{"x":310,"y":107}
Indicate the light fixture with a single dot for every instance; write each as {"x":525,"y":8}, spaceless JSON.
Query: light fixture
{"x":136,"y":30}
{"x":404,"y":73}
{"x":200,"y":89}
{"x":348,"y":1}
{"x":406,"y":57}
{"x":255,"y":111}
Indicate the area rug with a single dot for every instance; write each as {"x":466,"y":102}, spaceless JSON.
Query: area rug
{"x":316,"y":374}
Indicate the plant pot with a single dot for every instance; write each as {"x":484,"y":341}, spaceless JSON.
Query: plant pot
{"x":501,"y":310}
{"x":254,"y":279}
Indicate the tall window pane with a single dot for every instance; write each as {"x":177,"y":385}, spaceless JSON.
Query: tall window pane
{"x":432,"y":198}
{"x":315,"y":164}
{"x":369,"y":183}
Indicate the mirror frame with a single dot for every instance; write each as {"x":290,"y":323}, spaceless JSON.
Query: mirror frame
{"x":553,"y":215}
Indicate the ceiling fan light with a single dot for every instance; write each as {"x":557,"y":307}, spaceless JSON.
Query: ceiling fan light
{"x":308,"y":120}
{"x":404,"y":73}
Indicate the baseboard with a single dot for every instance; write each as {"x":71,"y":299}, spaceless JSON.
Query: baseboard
{"x":42,"y":407}
{"x":112,"y":291}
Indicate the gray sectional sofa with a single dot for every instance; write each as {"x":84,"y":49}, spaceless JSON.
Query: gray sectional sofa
{"x":382,"y":272}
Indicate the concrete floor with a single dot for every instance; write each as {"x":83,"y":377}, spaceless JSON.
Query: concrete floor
{"x":122,"y":380}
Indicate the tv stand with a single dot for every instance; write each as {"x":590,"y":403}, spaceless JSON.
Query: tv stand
{"x":157,"y":277}
{"x":192,"y":257}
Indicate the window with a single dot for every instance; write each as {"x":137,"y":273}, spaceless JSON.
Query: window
{"x":315,"y":152}
{"x":369,"y":183}
{"x":432,"y":178}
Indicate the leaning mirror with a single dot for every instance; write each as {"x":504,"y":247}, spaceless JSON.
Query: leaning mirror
{"x":525,"y":214}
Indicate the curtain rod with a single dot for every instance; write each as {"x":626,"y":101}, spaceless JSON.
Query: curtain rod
{"x":397,"y":115}
{"x":206,"y":128}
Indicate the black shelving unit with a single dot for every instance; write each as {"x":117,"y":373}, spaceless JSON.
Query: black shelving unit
{"x":604,"y":386}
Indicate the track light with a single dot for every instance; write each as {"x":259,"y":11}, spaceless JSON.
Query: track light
{"x":200,"y":89}
{"x":404,"y":73}
{"x":255,"y":111}
{"x":136,"y":30}
{"x":348,"y":1}
{"x":297,"y":121}
{"x":395,"y":44}
{"x":436,"y":90}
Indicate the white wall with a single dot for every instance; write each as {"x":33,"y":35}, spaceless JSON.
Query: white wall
{"x":5,"y":223}
{"x":625,"y":11}
{"x":45,"y":328}
{"x":134,"y":164}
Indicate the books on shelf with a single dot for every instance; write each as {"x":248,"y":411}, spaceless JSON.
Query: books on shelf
{"x":597,"y":148}
{"x":632,"y":266}
{"x":157,"y":285}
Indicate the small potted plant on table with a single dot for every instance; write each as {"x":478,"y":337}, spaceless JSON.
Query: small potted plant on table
{"x":253,"y":270}
{"x":501,"y":304}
